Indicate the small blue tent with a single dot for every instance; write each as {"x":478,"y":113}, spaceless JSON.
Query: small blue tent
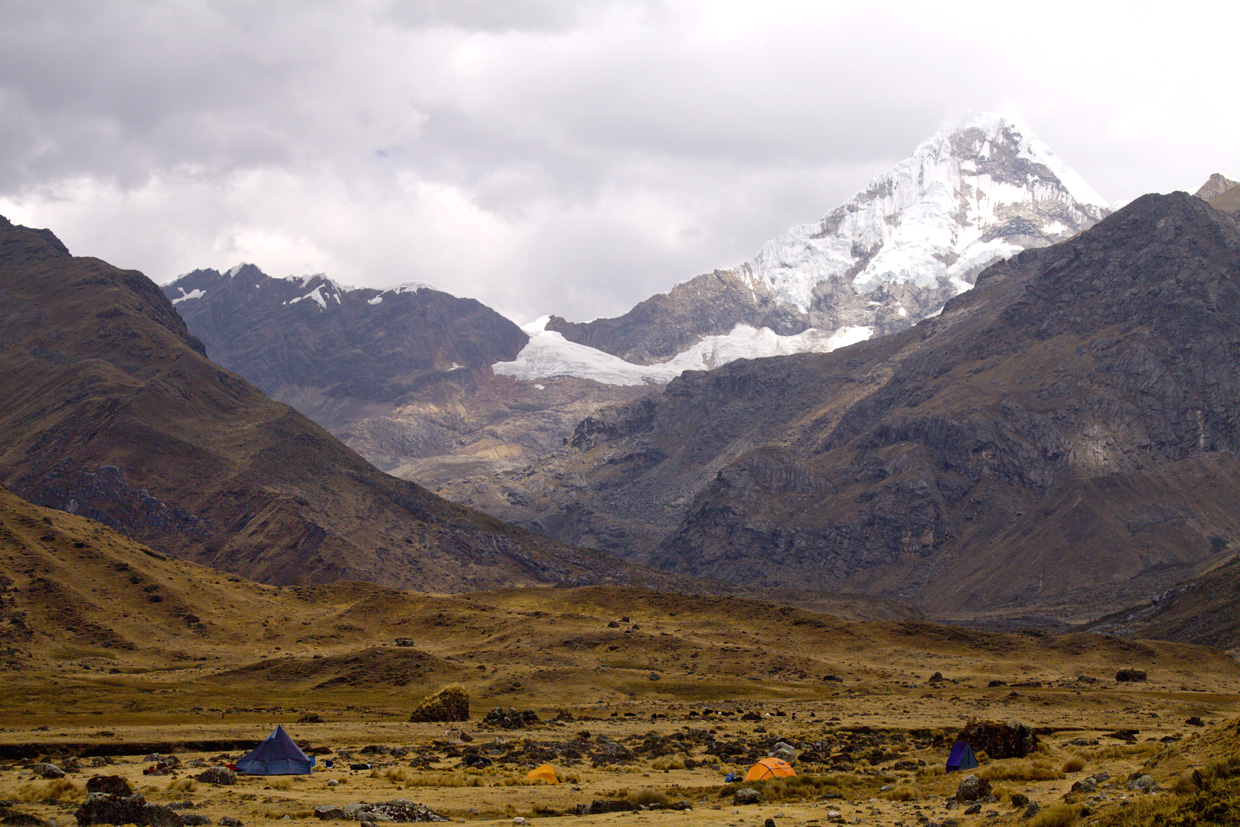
{"x":962,"y":757}
{"x":277,"y":755}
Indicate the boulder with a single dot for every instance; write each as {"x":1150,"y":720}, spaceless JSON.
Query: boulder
{"x":476,"y":761}
{"x":13,"y":818}
{"x":783,"y":751}
{"x":1130,"y":676}
{"x":451,"y":704}
{"x":195,"y":820}
{"x":972,"y":788}
{"x":748,"y":795}
{"x":103,"y":808}
{"x":219,"y":776}
{"x":328,"y":812}
{"x":45,"y":770}
{"x":1086,"y":785}
{"x":110,"y":784}
{"x":999,"y":740}
{"x":229,"y":821}
{"x":1141,"y":784}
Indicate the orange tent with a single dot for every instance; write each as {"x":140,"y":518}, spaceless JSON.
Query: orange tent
{"x":769,"y":768}
{"x":544,"y":773}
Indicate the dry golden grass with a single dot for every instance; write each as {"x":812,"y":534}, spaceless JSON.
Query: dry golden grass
{"x":1074,"y":764}
{"x":1019,"y":769}
{"x":1058,"y":815}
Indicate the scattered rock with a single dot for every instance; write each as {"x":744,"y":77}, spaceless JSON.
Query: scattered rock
{"x":747,"y":795}
{"x":1142,"y":784}
{"x":220,"y":776}
{"x":476,"y":761}
{"x":1130,"y":676}
{"x":1195,"y":721}
{"x":451,"y":704}
{"x":510,"y":718}
{"x":972,"y":788}
{"x":195,"y":820}
{"x":308,"y":718}
{"x":598,"y":806}
{"x":973,"y":809}
{"x":45,"y":770}
{"x":103,"y":808}
{"x":398,"y":809}
{"x":1031,"y":811}
{"x":654,"y":676}
{"x":229,"y":821}
{"x":110,"y":784}
{"x":1086,"y":785}
{"x":1020,"y":800}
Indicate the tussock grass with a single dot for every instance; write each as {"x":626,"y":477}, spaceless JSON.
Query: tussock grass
{"x":1057,"y":815}
{"x":1019,"y":769}
{"x":669,"y":762}
{"x":404,"y":778}
{"x":188,"y":785}
{"x":1074,"y":764}
{"x":61,"y":788}
{"x":904,"y":792}
{"x":646,"y":797}
{"x":1112,"y":752}
{"x":809,"y":786}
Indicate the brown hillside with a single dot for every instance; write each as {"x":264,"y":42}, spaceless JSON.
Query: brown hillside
{"x":1060,"y":441}
{"x":108,"y":408}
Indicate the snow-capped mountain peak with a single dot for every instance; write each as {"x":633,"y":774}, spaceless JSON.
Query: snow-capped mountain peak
{"x":980,"y":190}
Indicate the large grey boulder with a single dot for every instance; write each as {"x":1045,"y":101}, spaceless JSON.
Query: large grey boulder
{"x":972,"y":788}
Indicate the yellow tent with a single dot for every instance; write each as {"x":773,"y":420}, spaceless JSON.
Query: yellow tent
{"x":769,"y":768}
{"x":544,"y":773}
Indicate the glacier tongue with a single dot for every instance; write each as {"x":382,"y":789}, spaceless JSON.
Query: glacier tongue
{"x":549,"y":354}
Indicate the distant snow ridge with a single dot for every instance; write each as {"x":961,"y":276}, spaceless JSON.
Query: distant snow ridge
{"x":970,"y":195}
{"x":549,"y":354}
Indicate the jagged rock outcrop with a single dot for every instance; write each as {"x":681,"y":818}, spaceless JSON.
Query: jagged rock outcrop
{"x":1215,"y":185}
{"x":1060,"y":439}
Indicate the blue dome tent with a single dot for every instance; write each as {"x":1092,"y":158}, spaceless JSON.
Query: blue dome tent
{"x":277,"y":755}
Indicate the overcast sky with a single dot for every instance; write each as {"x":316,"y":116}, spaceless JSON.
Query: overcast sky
{"x":566,"y":156}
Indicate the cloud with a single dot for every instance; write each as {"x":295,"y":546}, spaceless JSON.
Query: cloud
{"x":569,"y":157}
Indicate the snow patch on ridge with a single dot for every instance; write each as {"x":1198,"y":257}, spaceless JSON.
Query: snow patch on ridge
{"x":549,"y":354}
{"x":186,"y":296}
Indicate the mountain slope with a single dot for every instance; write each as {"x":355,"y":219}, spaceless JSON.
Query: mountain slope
{"x":1201,"y":611}
{"x":1062,"y":437}
{"x":110,"y":409}
{"x":333,"y":351}
{"x":889,"y":256}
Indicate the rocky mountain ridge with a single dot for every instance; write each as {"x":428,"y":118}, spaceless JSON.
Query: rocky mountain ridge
{"x":335,"y":352}
{"x":1061,"y":438}
{"x":110,"y":409}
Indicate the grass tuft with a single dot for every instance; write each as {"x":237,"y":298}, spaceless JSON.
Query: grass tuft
{"x":1058,"y":815}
